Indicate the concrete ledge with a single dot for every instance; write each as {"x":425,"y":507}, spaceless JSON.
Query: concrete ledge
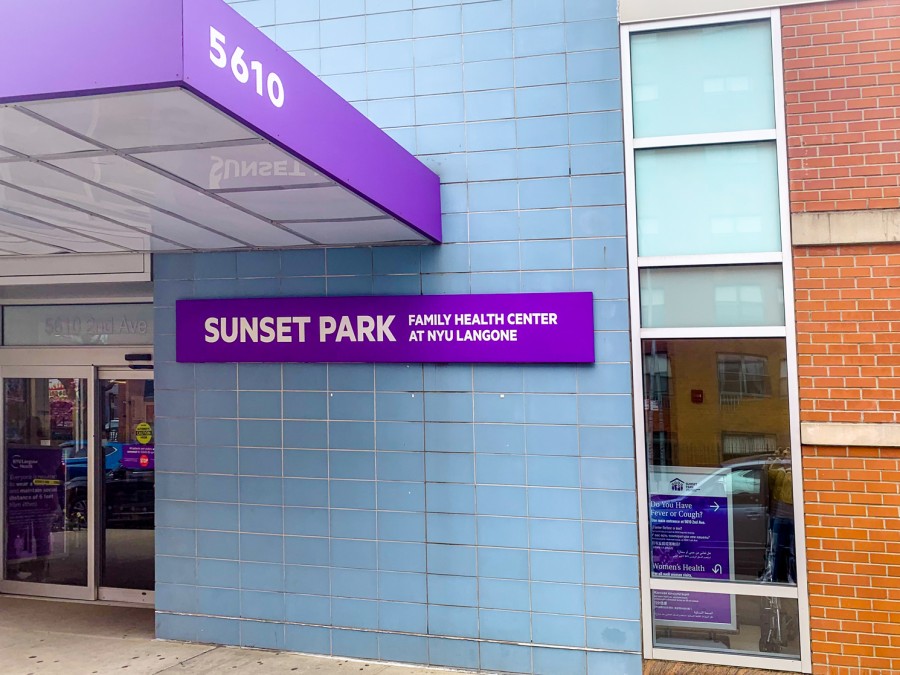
{"x":631,"y":11}
{"x":841,"y":433}
{"x":679,"y":668}
{"x":876,"y":226}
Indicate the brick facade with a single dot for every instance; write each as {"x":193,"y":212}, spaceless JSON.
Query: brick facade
{"x":853,"y":543}
{"x":848,"y":332}
{"x":842,"y":95}
{"x":842,"y":80}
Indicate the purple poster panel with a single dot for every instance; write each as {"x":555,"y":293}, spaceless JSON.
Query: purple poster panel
{"x":687,"y":607}
{"x":35,"y":478}
{"x":690,"y":537}
{"x":689,"y":525}
{"x":516,"y":328}
{"x":137,"y":457}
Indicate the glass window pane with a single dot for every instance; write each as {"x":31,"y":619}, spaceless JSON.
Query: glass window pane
{"x":703,"y":80}
{"x":66,"y":325}
{"x":127,"y":409}
{"x":681,"y":297}
{"x":718,"y":449}
{"x":46,"y":441}
{"x":721,"y":622}
{"x":708,"y":199}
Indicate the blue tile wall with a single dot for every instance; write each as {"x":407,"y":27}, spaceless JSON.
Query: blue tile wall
{"x":460,"y":516}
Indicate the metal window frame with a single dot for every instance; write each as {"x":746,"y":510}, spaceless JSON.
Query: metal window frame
{"x":787,"y":331}
{"x":77,"y":268}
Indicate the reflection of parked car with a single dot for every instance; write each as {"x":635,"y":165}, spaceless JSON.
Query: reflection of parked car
{"x":129,"y":498}
{"x":128,"y":493}
{"x":747,"y":481}
{"x":749,"y":510}
{"x":75,"y":457}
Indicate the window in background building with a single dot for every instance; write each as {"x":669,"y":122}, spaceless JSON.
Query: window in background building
{"x":743,"y":445}
{"x":744,"y":376}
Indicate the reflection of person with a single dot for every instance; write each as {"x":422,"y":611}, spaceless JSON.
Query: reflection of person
{"x":781,"y":519}
{"x":32,"y":431}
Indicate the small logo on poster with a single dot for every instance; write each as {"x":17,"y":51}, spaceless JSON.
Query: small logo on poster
{"x":677,"y":485}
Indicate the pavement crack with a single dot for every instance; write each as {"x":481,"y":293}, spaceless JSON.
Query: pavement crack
{"x":181,"y":664}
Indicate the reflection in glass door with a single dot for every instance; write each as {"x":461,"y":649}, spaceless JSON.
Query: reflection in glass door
{"x":127,"y":511}
{"x":46,"y":451}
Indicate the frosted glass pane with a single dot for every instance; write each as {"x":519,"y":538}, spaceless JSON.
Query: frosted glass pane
{"x":703,"y":80}
{"x":703,"y":297}
{"x":708,"y":199}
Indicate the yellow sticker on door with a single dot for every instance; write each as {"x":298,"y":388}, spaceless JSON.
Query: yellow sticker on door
{"x":143,"y":433}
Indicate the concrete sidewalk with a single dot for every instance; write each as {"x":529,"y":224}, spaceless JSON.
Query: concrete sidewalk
{"x":43,"y":637}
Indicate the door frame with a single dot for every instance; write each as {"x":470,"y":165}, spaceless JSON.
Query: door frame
{"x":90,"y":364}
{"x":87,"y":591}
{"x":109,"y":593}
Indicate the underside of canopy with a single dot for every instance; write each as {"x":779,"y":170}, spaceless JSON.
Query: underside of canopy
{"x":160,"y":125}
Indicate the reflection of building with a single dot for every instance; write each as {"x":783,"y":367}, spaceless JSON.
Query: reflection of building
{"x":125,"y":411}
{"x":719,"y":402}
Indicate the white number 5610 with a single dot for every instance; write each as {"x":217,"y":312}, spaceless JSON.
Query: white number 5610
{"x":240,"y":70}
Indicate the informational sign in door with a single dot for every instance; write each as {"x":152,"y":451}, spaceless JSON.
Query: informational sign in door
{"x":691,"y":538}
{"x":138,"y":457}
{"x":143,"y":433}
{"x":34,"y":487}
{"x":511,"y":328}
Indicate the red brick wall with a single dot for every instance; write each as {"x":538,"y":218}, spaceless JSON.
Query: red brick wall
{"x":852,"y":500}
{"x":842,"y":95}
{"x":848,"y":332}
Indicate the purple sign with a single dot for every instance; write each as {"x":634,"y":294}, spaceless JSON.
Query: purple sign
{"x":689,"y":607}
{"x":89,"y":47}
{"x":690,"y":532}
{"x":519,"y":328}
{"x":138,"y":457}
{"x":34,"y":479}
{"x":689,"y":536}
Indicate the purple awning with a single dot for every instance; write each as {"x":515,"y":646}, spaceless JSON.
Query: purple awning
{"x":150,"y":125}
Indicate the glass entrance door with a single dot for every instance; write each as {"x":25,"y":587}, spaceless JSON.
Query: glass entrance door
{"x":47,"y":452}
{"x":77,"y":471}
{"x":127,"y":486}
